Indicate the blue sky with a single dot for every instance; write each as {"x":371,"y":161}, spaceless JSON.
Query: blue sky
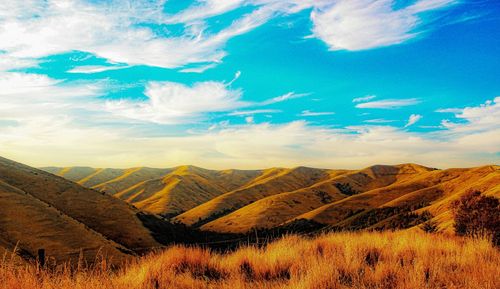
{"x":250,"y":84}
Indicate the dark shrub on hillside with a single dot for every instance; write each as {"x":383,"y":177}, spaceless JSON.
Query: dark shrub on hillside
{"x":477,"y":216}
{"x":346,"y":189}
{"x":430,"y":227}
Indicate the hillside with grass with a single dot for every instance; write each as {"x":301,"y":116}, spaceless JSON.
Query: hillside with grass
{"x":240,"y":202}
{"x":167,"y":192}
{"x":39,"y":210}
{"x":341,"y":260}
{"x":431,"y":192}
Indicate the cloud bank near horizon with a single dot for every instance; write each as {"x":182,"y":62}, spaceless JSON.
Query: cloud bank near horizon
{"x":151,"y":86}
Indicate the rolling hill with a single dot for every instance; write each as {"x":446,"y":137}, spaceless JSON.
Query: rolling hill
{"x":160,"y":191}
{"x":274,"y":210}
{"x":39,"y":210}
{"x":431,"y":192}
{"x":233,"y":201}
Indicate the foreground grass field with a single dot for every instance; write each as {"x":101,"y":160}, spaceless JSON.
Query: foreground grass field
{"x":342,"y":260}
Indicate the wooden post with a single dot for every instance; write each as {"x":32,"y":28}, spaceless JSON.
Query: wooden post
{"x":41,"y":257}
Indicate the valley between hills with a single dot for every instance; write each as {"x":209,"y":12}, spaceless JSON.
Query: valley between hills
{"x":78,"y":211}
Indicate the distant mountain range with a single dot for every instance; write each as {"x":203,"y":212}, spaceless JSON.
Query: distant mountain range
{"x":80,"y":211}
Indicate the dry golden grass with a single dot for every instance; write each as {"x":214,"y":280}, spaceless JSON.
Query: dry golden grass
{"x":343,"y":260}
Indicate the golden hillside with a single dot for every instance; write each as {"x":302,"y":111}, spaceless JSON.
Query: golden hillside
{"x":271,"y":182}
{"x":160,"y":191}
{"x":272,"y":211}
{"x":431,"y":191}
{"x":43,"y":211}
{"x":35,"y":225}
{"x":233,"y":201}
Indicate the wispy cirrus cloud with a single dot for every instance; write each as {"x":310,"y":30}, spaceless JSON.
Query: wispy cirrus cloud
{"x":8,"y":62}
{"x":112,"y":30}
{"x":448,"y":110}
{"x":389,"y":103}
{"x":284,"y":97}
{"x":379,"y":120}
{"x":315,"y":113}
{"x":413,"y":119}
{"x":254,"y":111}
{"x":198,"y":69}
{"x":88,"y":69}
{"x":363,"y":98}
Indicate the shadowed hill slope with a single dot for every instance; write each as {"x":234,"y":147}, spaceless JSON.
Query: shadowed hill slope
{"x":35,"y":225}
{"x":38,"y":208}
{"x":431,"y":191}
{"x":272,"y":211}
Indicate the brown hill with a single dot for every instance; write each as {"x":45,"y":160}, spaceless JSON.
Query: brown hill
{"x":271,"y":182}
{"x":182,"y":189}
{"x":36,"y":225}
{"x":41,"y":210}
{"x":274,"y":210}
{"x":111,"y":181}
{"x":431,"y":191}
{"x":160,"y":191}
{"x":232,"y":201}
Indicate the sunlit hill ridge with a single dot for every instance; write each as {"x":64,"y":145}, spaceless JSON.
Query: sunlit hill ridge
{"x":239,"y":201}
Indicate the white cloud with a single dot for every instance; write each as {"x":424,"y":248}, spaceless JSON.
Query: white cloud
{"x":365,"y":24}
{"x":111,"y":31}
{"x":478,"y":128}
{"x":198,"y":69}
{"x":284,"y":97}
{"x":8,"y":62}
{"x":448,"y":110}
{"x":379,"y":120}
{"x":485,"y":117}
{"x":246,"y":146}
{"x":318,"y":113}
{"x":34,"y":106}
{"x":20,"y":91}
{"x":363,"y":98}
{"x":88,"y":69}
{"x":39,"y":110}
{"x":414,"y":118}
{"x":252,"y":112}
{"x":389,"y":103}
{"x":426,"y":5}
{"x":171,"y":103}
{"x":236,"y":76}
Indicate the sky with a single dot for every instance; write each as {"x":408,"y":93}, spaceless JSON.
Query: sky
{"x":250,"y":83}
